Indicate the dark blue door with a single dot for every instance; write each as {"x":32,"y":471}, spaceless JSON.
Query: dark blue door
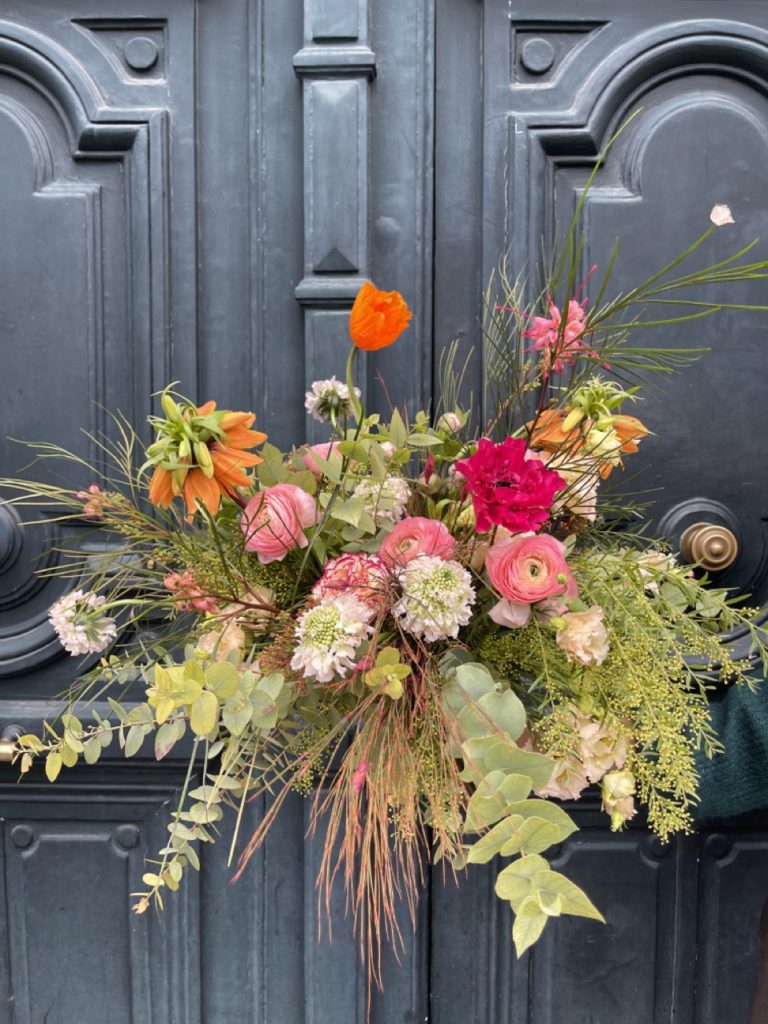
{"x":193,"y":190}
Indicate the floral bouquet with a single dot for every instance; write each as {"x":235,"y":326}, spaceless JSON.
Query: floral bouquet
{"x":434,"y":636}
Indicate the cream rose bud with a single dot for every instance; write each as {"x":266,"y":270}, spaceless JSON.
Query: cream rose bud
{"x":618,"y":790}
{"x":584,"y":637}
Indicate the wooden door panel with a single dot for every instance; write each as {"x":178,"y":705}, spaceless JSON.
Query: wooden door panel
{"x":558,"y":79}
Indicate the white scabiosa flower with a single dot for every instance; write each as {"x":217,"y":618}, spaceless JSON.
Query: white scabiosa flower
{"x":328,"y":399}
{"x":329,"y":635}
{"x":384,"y":499}
{"x":80,"y":624}
{"x":437,"y":598}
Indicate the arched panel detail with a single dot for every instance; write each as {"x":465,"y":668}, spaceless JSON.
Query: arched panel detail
{"x":51,"y":70}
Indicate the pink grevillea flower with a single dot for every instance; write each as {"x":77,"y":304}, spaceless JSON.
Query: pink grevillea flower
{"x":527,"y":569}
{"x":187,"y":595}
{"x":327,"y":450}
{"x":508,"y":488}
{"x":93,"y":498}
{"x":416,"y":536}
{"x":364,"y":576}
{"x":274,"y":521}
{"x":559,"y":344}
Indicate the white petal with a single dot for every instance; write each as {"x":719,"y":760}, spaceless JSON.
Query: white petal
{"x":721,"y":214}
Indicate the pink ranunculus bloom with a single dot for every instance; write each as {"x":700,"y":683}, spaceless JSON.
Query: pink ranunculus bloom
{"x":327,"y":450}
{"x":527,"y":569}
{"x":416,"y":536}
{"x":365,"y":577}
{"x":560,"y":348}
{"x":507,"y":487}
{"x":274,"y":521}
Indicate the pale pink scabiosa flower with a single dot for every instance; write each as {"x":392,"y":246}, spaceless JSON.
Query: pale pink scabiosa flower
{"x":94,"y":502}
{"x":187,"y":596}
{"x":560,"y":345}
{"x":80,"y":625}
{"x":329,"y":399}
{"x":437,"y":598}
{"x":274,"y":521}
{"x":618,"y":790}
{"x":384,"y":499}
{"x":329,"y":635}
{"x":583,"y":636}
{"x":328,"y":450}
{"x":526,"y":569}
{"x":416,"y":536}
{"x":363,"y":576}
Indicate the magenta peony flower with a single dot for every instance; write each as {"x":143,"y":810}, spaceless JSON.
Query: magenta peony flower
{"x":416,"y":536}
{"x":274,"y":520}
{"x":363,"y":576}
{"x":507,"y":488}
{"x":559,"y":349}
{"x":527,"y":569}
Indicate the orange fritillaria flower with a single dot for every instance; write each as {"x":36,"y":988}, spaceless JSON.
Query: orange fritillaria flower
{"x":629,"y":429}
{"x":378,"y":318}
{"x":228,"y":460}
{"x":550,"y":435}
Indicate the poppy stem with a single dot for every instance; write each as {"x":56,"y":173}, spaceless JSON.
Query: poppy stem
{"x":354,"y":401}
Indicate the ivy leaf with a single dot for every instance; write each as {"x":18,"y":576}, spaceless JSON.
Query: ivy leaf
{"x":529,"y":924}
{"x":204,"y":714}
{"x":533,"y":836}
{"x":493,"y":797}
{"x":515,"y":882}
{"x":491,"y":753}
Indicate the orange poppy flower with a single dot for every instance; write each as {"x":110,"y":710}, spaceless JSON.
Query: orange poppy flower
{"x":377,"y":318}
{"x":226,"y":461}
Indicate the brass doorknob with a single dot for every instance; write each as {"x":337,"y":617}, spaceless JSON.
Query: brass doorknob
{"x":8,"y":743}
{"x":710,"y":545}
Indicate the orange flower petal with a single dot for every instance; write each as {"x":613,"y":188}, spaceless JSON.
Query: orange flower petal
{"x":230,"y":420}
{"x":198,"y":486}
{"x":207,"y":407}
{"x":629,"y":429}
{"x":378,"y":318}
{"x":549,"y":433}
{"x":227,"y":468}
{"x":161,"y":487}
{"x":239,"y":437}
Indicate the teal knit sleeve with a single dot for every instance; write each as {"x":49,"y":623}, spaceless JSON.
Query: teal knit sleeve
{"x":736,"y":781}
